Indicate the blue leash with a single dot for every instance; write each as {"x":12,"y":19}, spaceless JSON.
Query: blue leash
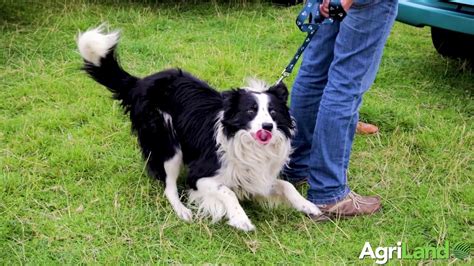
{"x":311,"y":11}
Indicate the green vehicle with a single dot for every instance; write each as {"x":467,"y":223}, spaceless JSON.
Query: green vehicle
{"x":451,"y":22}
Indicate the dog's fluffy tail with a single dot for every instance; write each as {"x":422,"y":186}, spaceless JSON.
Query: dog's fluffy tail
{"x":97,"y":48}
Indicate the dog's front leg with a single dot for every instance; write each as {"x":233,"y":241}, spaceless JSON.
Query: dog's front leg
{"x":286,"y":191}
{"x":234,"y":212}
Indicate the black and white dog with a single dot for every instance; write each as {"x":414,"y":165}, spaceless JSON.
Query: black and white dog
{"x":234,"y":143}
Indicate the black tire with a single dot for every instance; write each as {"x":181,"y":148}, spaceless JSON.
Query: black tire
{"x":453,"y":44}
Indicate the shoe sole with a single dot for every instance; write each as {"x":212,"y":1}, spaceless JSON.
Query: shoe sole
{"x":341,"y":216}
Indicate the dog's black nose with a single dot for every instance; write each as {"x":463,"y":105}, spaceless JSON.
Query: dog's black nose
{"x":267,"y":126}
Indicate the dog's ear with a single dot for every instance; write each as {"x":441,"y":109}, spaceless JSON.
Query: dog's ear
{"x":231,"y":121}
{"x":280,"y":91}
{"x":231,"y":99}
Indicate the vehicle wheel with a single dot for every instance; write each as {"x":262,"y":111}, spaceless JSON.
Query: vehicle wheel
{"x":453,"y":44}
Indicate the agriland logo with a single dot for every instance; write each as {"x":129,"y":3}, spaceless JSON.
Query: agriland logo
{"x":400,"y":251}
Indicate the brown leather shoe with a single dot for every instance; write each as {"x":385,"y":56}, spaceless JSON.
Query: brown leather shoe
{"x":366,"y":129}
{"x":351,"y":206}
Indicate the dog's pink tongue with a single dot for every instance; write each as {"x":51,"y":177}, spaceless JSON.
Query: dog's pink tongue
{"x":263,"y":136}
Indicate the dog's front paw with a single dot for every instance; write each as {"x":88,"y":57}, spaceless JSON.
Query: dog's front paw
{"x":310,"y":209}
{"x":184,"y":213}
{"x":242,"y":224}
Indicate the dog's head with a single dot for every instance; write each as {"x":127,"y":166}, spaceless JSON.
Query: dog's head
{"x":258,"y":111}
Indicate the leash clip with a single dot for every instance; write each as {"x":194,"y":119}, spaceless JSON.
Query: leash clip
{"x":283,"y":75}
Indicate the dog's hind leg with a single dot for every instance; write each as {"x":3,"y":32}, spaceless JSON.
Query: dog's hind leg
{"x":162,"y":151}
{"x":172,"y":167}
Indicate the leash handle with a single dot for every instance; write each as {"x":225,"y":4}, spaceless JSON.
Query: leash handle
{"x":336,"y":11}
{"x":311,"y":11}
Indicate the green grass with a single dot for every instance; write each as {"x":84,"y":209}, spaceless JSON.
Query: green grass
{"x":72,"y":183}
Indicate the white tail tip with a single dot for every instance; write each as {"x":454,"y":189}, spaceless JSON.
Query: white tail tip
{"x":95,"y":44}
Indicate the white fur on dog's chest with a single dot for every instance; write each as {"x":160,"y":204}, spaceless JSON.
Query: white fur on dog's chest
{"x":245,"y":183}
{"x":249,"y":168}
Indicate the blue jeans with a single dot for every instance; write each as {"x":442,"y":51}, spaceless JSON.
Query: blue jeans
{"x":339,"y":66}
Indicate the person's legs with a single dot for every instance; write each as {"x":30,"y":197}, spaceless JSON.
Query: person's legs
{"x":366,"y":83}
{"x":361,"y":37}
{"x":352,"y":128}
{"x":305,"y":97}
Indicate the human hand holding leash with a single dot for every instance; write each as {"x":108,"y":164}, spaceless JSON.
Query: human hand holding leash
{"x":324,"y":7}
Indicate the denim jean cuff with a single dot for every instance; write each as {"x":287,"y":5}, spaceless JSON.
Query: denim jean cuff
{"x":328,"y":198}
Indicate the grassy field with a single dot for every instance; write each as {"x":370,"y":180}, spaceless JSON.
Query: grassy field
{"x":72,"y":183}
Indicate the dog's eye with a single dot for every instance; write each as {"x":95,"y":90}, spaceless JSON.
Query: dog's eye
{"x":272,"y":112}
{"x":250,"y":112}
